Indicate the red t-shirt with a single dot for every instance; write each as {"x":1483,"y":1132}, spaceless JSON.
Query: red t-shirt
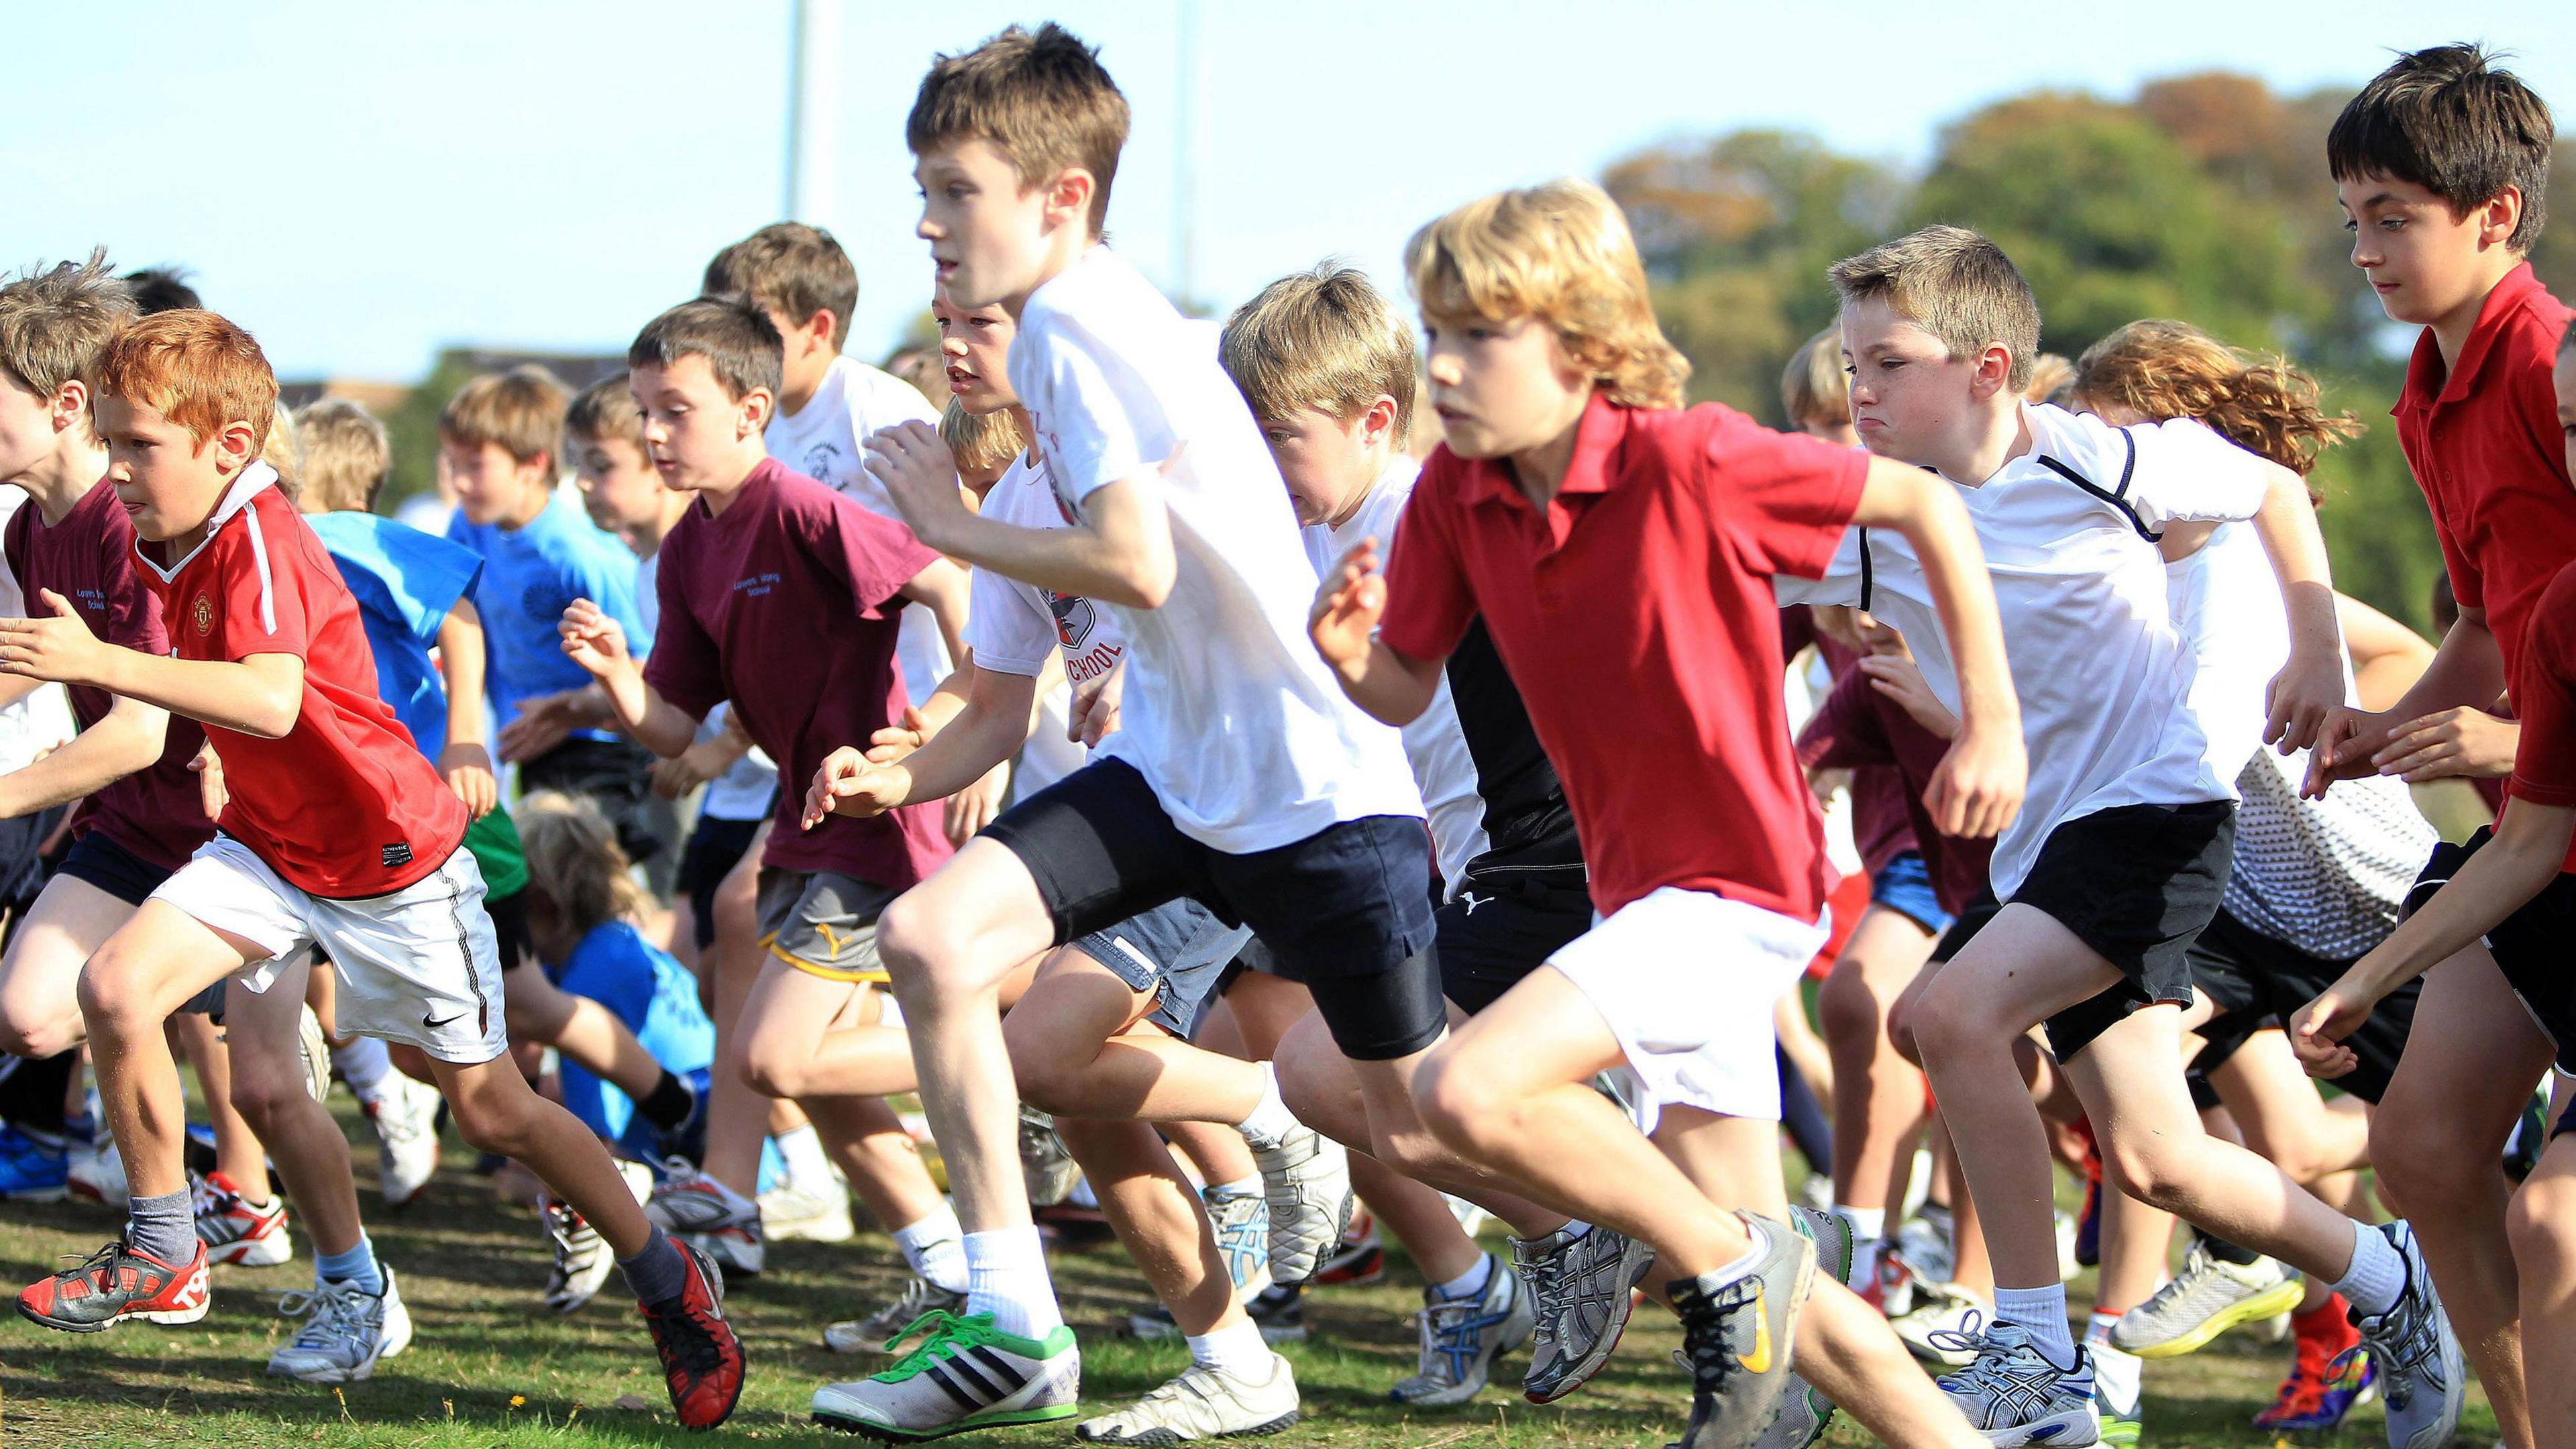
{"x":1635,"y":611}
{"x":1859,"y":729}
{"x":344,"y":806}
{"x":2544,"y":763}
{"x":787,"y":604}
{"x":157,"y":814}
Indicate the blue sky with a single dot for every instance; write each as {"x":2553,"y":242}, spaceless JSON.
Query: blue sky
{"x":361,"y":183}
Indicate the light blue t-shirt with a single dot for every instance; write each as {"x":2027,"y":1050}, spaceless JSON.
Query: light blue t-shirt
{"x":530,"y":576}
{"x":657,"y":998}
{"x":405,"y":582}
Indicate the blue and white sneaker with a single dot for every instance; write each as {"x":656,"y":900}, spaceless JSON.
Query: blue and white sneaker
{"x":1461,"y":1338}
{"x":33,"y":1167}
{"x":1242,"y":1223}
{"x":2013,"y":1395}
{"x":2418,"y":1359}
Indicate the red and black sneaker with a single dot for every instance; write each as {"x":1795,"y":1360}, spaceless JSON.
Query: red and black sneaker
{"x":118,"y":1282}
{"x":701,"y":1359}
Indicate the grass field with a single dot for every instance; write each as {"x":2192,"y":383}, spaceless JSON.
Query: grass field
{"x":491,"y":1367}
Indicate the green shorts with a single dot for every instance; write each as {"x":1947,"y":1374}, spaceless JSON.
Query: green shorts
{"x":494,"y":842}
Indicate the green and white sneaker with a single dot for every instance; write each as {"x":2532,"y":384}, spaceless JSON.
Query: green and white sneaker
{"x":963,"y":1375}
{"x":1203,"y":1403}
{"x":873,"y":1333}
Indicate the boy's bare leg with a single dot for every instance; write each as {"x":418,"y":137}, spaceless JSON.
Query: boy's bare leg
{"x":806,"y":1037}
{"x":737,"y":1114}
{"x":1264,"y":1007}
{"x":141,"y":974}
{"x":239,"y":1154}
{"x":40,"y":1013}
{"x":1878,"y":1094}
{"x":2281,"y":1117}
{"x":1159,"y":1221}
{"x":1420,"y":1219}
{"x":497,"y":1111}
{"x":1971,"y":1266}
{"x":2437,"y":1143}
{"x":2542,"y":1222}
{"x":879,"y":1158}
{"x":1074,"y":1057}
{"x":1219,"y":1153}
{"x":268,"y":1086}
{"x":587,"y":1033}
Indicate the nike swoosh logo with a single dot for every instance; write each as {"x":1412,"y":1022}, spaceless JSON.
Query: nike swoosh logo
{"x":460,"y":1016}
{"x":1759,"y":1361}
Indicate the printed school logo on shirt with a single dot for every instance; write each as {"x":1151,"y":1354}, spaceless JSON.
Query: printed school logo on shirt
{"x":822,"y":463}
{"x":202,"y":614}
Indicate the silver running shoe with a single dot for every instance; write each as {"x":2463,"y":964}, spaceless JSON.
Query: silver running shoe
{"x":1202,"y":1403}
{"x":1307,"y":1178}
{"x":583,"y":1260}
{"x":2208,"y":1297}
{"x":405,"y":1116}
{"x":1739,"y":1336}
{"x":1580,"y":1294}
{"x":2417,"y":1357}
{"x":1931,"y":1329}
{"x":1461,"y":1338}
{"x":347,"y":1330}
{"x":2013,"y":1395}
{"x":1805,"y":1414}
{"x":1241,"y":1221}
{"x":1049,"y":1168}
{"x":708,"y":1216}
{"x":872,"y":1333}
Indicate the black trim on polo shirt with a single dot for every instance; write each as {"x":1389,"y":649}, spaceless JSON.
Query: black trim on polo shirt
{"x":1868,"y":575}
{"x":2117,"y":498}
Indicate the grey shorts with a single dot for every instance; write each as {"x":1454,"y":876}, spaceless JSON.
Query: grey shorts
{"x":823,"y":923}
{"x":1178,"y":950}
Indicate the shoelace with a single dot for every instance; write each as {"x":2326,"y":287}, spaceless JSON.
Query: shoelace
{"x":942,"y":1334}
{"x":97,"y":1262}
{"x":910,"y":1306}
{"x":2403,"y":1343}
{"x":328,"y":1313}
{"x":1711,"y":1362}
{"x":1546,"y":1287}
{"x":685,"y":1334}
{"x":1969,"y":1338}
{"x":1451,"y":1326}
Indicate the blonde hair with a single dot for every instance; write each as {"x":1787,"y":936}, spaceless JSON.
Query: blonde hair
{"x":1559,"y":252}
{"x":2160,"y":369}
{"x":1325,"y":339}
{"x":575,"y":865}
{"x":1954,"y":284}
{"x":522,"y":410}
{"x":982,"y":443}
{"x":1813,"y":387}
{"x":284,"y":451}
{"x":2050,"y":376}
{"x":346,"y":455}
{"x":54,"y":324}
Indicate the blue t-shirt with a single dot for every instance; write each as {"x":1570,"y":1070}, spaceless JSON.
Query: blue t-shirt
{"x":657,"y":998}
{"x":405,"y":582}
{"x":530,"y":576}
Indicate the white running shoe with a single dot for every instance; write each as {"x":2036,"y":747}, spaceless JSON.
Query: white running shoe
{"x":962,"y":1375}
{"x":1941,"y":1313}
{"x":583,"y":1260}
{"x":346,"y":1331}
{"x":1307,"y":1178}
{"x":1203,"y":1403}
{"x":2013,"y":1395}
{"x":1241,"y":1221}
{"x":710,"y":1216}
{"x":797,"y":1211}
{"x":2208,"y":1297}
{"x":97,"y":1170}
{"x":1461,"y":1338}
{"x":405,"y":1116}
{"x":236,"y":1232}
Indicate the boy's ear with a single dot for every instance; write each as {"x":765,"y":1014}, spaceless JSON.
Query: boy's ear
{"x":2498,"y":217}
{"x":236,"y":446}
{"x":818,"y":329}
{"x":70,"y":408}
{"x":1068,"y":197}
{"x":541,"y":468}
{"x":1377,"y":424}
{"x":1993,"y":373}
{"x":758,"y":405}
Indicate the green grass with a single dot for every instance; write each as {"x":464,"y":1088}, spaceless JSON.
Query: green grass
{"x":491,"y":1367}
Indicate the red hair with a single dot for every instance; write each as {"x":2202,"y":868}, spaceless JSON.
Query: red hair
{"x":194,"y":368}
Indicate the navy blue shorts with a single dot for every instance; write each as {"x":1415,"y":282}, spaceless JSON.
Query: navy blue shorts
{"x":2529,"y":946}
{"x":1503,"y":925}
{"x":1344,"y":912}
{"x":112,"y":868}
{"x":1904,"y":885}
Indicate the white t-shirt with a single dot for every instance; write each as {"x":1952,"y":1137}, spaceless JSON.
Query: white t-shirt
{"x":823,"y":442}
{"x":1442,"y":768}
{"x":1013,"y":626}
{"x":743,"y":791}
{"x":2103,"y":677}
{"x":1228,"y":712}
{"x":42,"y":720}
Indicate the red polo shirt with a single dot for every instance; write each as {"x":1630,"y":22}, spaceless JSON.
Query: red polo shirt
{"x":1635,"y":612}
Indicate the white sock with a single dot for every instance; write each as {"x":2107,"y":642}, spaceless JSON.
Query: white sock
{"x":2377,"y":1275}
{"x":1006,"y":1276}
{"x":1271,"y":1121}
{"x":1241,"y":1186}
{"x":1743,"y":1265}
{"x":2115,"y":1374}
{"x":363,"y":1064}
{"x":1471,"y":1282}
{"x":1867,"y":1225}
{"x":2042,"y":1312}
{"x":936,"y":1249}
{"x":1238,"y":1351}
{"x":807,"y":1166}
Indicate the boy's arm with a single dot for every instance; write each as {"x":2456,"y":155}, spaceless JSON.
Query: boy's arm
{"x":463,"y":760}
{"x":1978,"y":787}
{"x":945,"y":589}
{"x":130,"y":737}
{"x":2387,"y":657}
{"x":261,"y":695}
{"x":986,"y":733}
{"x":1390,"y":687}
{"x":2310,"y":685}
{"x":597,"y":642}
{"x":2467,"y":672}
{"x":1119,"y":551}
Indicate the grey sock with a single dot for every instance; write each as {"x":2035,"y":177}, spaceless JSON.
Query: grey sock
{"x":657,"y":1273}
{"x":163,"y":1227}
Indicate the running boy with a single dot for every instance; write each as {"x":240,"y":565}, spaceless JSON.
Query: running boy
{"x":1623,"y":553}
{"x":337,"y":834}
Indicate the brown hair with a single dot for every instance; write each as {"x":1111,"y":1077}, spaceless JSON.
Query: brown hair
{"x":605,"y":409}
{"x":925,"y":369}
{"x":1560,"y":252}
{"x":1325,"y":339}
{"x":2448,"y":120}
{"x":741,"y":345}
{"x":522,"y":410}
{"x":798,"y":269}
{"x":2051,"y":375}
{"x":55,"y":322}
{"x":980,"y":442}
{"x":346,"y":455}
{"x":1813,"y":387}
{"x":575,"y":865}
{"x":1954,"y":284}
{"x":2162,"y":370}
{"x":195,"y":368}
{"x":1043,"y":100}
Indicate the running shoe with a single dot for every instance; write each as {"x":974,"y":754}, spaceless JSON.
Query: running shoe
{"x":405,"y":1116}
{"x":1581,"y":1290}
{"x":33,"y":1167}
{"x":798,"y":1211}
{"x":1461,"y":1338}
{"x":702,"y":1362}
{"x":1931,"y":1328}
{"x":1737,"y":1338}
{"x":346,"y":1331}
{"x":315,"y":1050}
{"x":1241,"y":1221}
{"x":118,"y":1282}
{"x":97,"y":1169}
{"x":1279,"y":1311}
{"x":2208,"y":1297}
{"x":873,"y":1333}
{"x":2417,"y":1357}
{"x":235,"y":1230}
{"x":1806,"y":1414}
{"x":1307,"y":1178}
{"x":1357,"y":1263}
{"x":2321,"y":1389}
{"x":2013,"y":1395}
{"x":700,"y":1211}
{"x":1049,"y":1168}
{"x":583,"y":1259}
{"x":1202,"y":1403}
{"x":962,"y":1375}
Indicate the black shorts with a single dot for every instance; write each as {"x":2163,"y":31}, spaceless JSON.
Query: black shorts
{"x":1964,"y":926}
{"x":1344,"y":911}
{"x":2254,"y":982}
{"x":112,"y":868}
{"x":615,"y":775}
{"x":2530,"y":946}
{"x":22,"y":863}
{"x":1503,"y":925}
{"x":2137,"y":884}
{"x":510,"y":938}
{"x":715,"y":847}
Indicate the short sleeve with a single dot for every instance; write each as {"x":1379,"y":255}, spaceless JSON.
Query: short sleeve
{"x":1098,"y":420}
{"x":1845,"y":730}
{"x":1843,"y":580}
{"x":264,"y":577}
{"x":1430,"y":601}
{"x":683,"y":667}
{"x":2184,"y":473}
{"x":875,"y":556}
{"x":2544,"y":764}
{"x":1784,"y":500}
{"x":423,"y":575}
{"x":1008,"y":627}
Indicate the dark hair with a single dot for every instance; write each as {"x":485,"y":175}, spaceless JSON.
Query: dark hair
{"x":2448,"y":120}
{"x":798,"y":269}
{"x":741,"y":345}
{"x":162,"y":289}
{"x":1043,"y":100}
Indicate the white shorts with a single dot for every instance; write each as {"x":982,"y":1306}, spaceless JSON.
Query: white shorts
{"x":418,"y":966}
{"x":1686,"y":981}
